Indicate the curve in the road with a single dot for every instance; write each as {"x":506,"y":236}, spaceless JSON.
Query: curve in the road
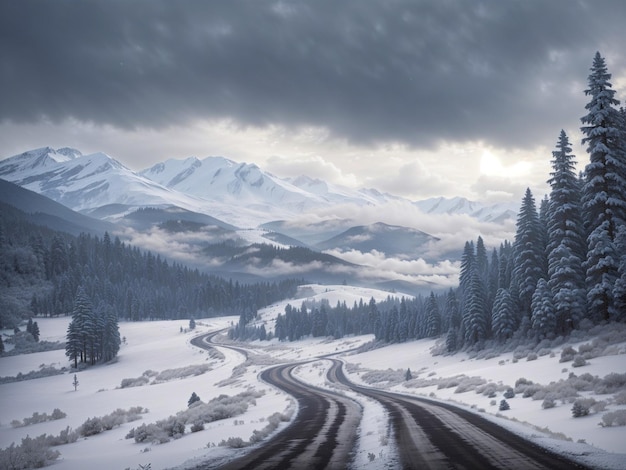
{"x":434,"y":435}
{"x":321,"y":436}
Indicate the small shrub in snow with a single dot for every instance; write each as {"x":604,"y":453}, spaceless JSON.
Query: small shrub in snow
{"x":504,"y":405}
{"x":148,"y":433}
{"x":544,"y":352}
{"x":611,"y":383}
{"x":136,"y":382}
{"x":371,"y":456}
{"x":531,"y":357}
{"x":614,"y":418}
{"x":172,"y":426}
{"x":493,"y":403}
{"x":620,"y":398}
{"x":530,"y":390}
{"x":598,"y":406}
{"x":579,"y":361}
{"x":91,"y":427}
{"x":199,"y":426}
{"x":548,"y":402}
{"x":510,"y":393}
{"x":233,"y":443}
{"x":469,"y":383}
{"x":567,"y":354}
{"x":582,"y":407}
{"x":586,"y":350}
{"x":181,"y":372}
{"x":39,"y":418}
{"x":31,"y":453}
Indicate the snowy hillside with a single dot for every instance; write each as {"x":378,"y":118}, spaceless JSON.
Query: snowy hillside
{"x":156,"y":355}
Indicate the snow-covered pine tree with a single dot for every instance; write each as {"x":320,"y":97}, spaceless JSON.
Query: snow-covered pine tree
{"x":505,"y":265}
{"x":528,"y":252}
{"x":543,"y":318}
{"x":604,"y":192}
{"x":76,"y":339}
{"x":111,"y":340}
{"x":566,"y":247}
{"x":433,"y":317}
{"x":474,"y":315}
{"x":452,"y":313}
{"x":503,"y":317}
{"x":468,"y":265}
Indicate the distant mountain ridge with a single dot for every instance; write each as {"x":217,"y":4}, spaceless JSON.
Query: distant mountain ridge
{"x":239,"y":194}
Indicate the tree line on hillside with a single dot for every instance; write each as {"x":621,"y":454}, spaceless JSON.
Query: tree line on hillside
{"x":566,"y":266}
{"x":100,"y":281}
{"x":568,"y":259}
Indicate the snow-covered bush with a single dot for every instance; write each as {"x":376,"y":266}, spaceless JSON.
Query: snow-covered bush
{"x":199,"y":426}
{"x":530,"y":390}
{"x":611,"y":383}
{"x":548,"y":402}
{"x":469,"y":383}
{"x":39,"y":418}
{"x":148,"y":433}
{"x":614,"y":418}
{"x":181,"y":372}
{"x":579,"y":361}
{"x":582,"y":407}
{"x":31,"y":453}
{"x":233,"y":443}
{"x":510,"y":393}
{"x":91,"y":427}
{"x":531,"y":357}
{"x":620,"y":398}
{"x":136,"y":382}
{"x":172,"y":426}
{"x":504,"y":405}
{"x":567,"y":354}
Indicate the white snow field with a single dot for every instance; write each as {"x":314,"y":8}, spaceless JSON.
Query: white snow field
{"x":161,"y":346}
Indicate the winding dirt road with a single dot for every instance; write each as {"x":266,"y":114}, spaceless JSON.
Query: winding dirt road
{"x":429,"y":434}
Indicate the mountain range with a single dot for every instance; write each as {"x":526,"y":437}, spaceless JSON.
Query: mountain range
{"x":191,"y":204}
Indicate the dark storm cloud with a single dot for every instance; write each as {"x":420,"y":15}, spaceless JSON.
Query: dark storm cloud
{"x":369,"y":71}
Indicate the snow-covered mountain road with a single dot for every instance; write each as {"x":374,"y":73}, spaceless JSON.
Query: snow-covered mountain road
{"x":322,"y":435}
{"x":428,"y":434}
{"x":434,"y":435}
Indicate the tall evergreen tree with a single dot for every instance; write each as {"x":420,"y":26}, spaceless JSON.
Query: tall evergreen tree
{"x":433,"y":317}
{"x":528,"y":251}
{"x":474,"y":317}
{"x":543,"y":318}
{"x":77,"y":343}
{"x":566,"y":245}
{"x":503,"y":317}
{"x":604,"y":192}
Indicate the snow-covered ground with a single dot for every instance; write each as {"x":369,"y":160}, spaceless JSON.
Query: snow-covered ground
{"x":159,"y":346}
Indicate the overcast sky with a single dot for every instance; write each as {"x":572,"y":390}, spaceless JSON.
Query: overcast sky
{"x":417,"y":98}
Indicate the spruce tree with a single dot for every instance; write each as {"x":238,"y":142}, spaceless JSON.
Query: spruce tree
{"x":604,"y":192}
{"x":503,"y":317}
{"x":543,"y":317}
{"x":528,"y":251}
{"x":566,"y":245}
{"x":433,"y":317}
{"x":77,"y":341}
{"x":474,"y":317}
